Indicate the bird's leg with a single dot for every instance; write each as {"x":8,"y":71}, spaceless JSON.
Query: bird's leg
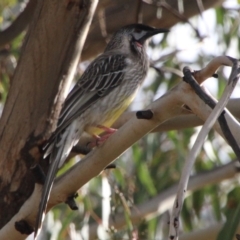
{"x":107,"y":129}
{"x":101,"y":139}
{"x":107,"y":133}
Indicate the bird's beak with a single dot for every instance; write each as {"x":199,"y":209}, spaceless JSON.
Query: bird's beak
{"x":151,"y":33}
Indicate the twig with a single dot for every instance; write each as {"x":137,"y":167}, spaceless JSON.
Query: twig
{"x":211,"y":103}
{"x":180,"y":6}
{"x":139,"y":13}
{"x":165,"y":57}
{"x":228,"y":135}
{"x":211,"y":68}
{"x":170,"y":70}
{"x":102,"y":22}
{"x":188,"y":78}
{"x":177,"y":14}
{"x":174,"y":220}
{"x":200,"y":7}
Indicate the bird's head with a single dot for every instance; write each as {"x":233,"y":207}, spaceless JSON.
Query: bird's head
{"x":133,"y":37}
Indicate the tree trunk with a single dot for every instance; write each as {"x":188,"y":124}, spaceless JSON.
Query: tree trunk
{"x":49,"y":57}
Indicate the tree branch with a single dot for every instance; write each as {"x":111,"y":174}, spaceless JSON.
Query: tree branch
{"x":178,"y":203}
{"x":180,"y":122}
{"x":164,"y":108}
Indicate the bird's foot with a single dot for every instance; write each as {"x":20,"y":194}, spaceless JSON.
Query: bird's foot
{"x":101,"y":139}
{"x":107,"y":129}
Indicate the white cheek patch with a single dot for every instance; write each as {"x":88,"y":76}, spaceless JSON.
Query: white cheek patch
{"x":139,"y":35}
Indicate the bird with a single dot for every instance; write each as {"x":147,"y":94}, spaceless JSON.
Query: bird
{"x":100,"y":96}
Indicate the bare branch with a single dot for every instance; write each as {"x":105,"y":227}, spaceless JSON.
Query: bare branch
{"x":200,"y":6}
{"x":178,"y":203}
{"x":179,"y":15}
{"x":139,"y":12}
{"x":180,"y":122}
{"x":212,"y":104}
{"x":211,"y":68}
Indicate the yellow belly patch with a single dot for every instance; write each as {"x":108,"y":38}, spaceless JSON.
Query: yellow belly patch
{"x":111,"y":117}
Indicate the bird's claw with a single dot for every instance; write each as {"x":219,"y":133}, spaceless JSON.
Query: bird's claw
{"x":101,"y":139}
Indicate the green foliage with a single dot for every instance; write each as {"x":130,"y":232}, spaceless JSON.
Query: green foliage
{"x":214,"y":192}
{"x":198,"y":198}
{"x":187,"y":215}
{"x":4,"y":4}
{"x":232,"y":213}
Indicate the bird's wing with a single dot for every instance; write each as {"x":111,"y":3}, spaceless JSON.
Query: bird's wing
{"x":104,"y":74}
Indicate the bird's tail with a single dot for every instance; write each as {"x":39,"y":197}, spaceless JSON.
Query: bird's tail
{"x":55,"y":158}
{"x":60,"y":149}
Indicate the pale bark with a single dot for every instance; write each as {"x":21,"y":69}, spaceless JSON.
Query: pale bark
{"x":180,"y":122}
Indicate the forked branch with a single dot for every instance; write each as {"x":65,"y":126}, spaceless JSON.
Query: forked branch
{"x":215,"y":113}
